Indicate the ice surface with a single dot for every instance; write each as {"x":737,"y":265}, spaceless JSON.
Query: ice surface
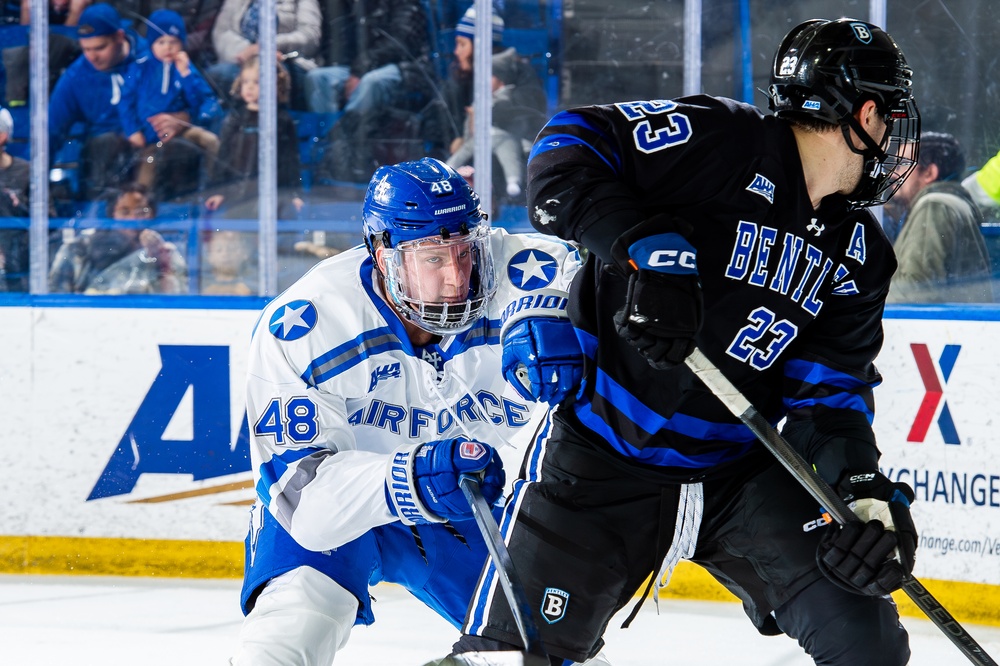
{"x":57,"y":620}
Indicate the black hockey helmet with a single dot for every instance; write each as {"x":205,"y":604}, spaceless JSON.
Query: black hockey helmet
{"x":824,"y":70}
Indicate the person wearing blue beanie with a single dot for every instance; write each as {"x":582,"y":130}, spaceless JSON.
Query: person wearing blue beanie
{"x":165,"y":97}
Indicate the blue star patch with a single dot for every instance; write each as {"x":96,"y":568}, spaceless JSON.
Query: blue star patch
{"x":531,"y":269}
{"x":292,"y":320}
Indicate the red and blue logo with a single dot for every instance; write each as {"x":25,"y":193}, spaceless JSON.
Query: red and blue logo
{"x":934,"y":402}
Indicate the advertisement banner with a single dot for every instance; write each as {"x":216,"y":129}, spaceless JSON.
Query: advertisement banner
{"x":936,"y":424}
{"x":128,"y":423}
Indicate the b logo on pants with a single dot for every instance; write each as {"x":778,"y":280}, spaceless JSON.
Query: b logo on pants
{"x":554,"y":604}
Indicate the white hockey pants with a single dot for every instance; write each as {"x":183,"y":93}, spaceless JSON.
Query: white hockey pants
{"x":302,"y":618}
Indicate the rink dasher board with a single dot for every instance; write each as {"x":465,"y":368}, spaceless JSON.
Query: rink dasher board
{"x":76,"y":380}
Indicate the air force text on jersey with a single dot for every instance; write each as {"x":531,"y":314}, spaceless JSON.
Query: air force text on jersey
{"x":420,"y":423}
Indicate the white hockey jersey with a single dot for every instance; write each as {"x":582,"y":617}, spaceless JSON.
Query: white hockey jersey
{"x":334,"y":385}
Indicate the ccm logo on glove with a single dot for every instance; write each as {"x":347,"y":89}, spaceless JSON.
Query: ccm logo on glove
{"x":678,"y":257}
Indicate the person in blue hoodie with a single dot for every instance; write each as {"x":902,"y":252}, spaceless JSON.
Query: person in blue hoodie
{"x":162,"y":87}
{"x":89,"y":92}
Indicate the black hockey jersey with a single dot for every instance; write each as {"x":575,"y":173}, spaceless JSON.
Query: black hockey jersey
{"x":793,"y":296}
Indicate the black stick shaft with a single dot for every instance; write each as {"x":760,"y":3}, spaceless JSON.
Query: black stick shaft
{"x":821,"y":491}
{"x":509,"y":580}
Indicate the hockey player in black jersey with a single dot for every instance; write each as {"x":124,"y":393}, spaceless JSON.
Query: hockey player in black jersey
{"x":710,"y":224}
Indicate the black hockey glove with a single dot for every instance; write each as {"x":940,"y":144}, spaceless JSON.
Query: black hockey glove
{"x":875,"y":554}
{"x":663,"y":307}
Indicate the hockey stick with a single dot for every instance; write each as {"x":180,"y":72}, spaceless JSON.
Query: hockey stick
{"x":511,"y":584}
{"x":821,"y":491}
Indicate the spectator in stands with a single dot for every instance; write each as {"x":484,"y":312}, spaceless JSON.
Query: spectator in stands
{"x":61,"y":12}
{"x":162,"y":88}
{"x":237,"y":30}
{"x":518,"y":114}
{"x":229,"y":270}
{"x":14,"y":188}
{"x":381,"y":78}
{"x":198,"y":16}
{"x":89,"y":92}
{"x":940,"y":249}
{"x":120,"y":260}
{"x":234,"y":179}
{"x":457,"y":90}
{"x":63,"y":49}
{"x":984,"y":187}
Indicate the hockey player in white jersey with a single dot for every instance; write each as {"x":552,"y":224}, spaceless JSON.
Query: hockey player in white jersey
{"x":373,"y":383}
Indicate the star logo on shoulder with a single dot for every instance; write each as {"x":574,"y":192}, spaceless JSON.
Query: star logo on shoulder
{"x":531,"y":269}
{"x":292,"y":320}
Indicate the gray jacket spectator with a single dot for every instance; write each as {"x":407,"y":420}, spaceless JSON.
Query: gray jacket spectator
{"x":127,"y":259}
{"x":941,"y":251}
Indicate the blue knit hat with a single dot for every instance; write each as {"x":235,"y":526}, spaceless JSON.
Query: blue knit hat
{"x":98,"y":20}
{"x":166,"y":22}
{"x":467,"y":26}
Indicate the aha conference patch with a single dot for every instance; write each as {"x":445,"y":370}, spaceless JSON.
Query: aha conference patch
{"x":293,"y":320}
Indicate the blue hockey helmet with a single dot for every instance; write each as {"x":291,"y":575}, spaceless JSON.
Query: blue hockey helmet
{"x":824,"y":70}
{"x":430,"y":240}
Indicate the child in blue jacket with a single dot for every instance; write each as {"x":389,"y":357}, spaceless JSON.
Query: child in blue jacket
{"x":164,"y":97}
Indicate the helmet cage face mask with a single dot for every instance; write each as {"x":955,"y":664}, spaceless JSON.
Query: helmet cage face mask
{"x":425,"y":223}
{"x":888,"y":164}
{"x":443,"y":285}
{"x":825,"y":70}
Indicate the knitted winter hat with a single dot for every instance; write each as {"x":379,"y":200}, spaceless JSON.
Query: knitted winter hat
{"x":99,"y":20}
{"x":467,"y":26}
{"x":166,"y":22}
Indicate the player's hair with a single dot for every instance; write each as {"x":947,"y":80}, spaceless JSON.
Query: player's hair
{"x":283,"y":82}
{"x":945,"y":151}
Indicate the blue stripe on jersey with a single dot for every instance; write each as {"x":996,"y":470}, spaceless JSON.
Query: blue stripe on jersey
{"x":272,"y":470}
{"x":561,"y":140}
{"x":538,"y":445}
{"x":392,"y":319}
{"x":349,"y":354}
{"x":647,"y":419}
{"x":667,"y":457}
{"x":391,"y":337}
{"x":553,"y":141}
{"x":836,"y":401}
{"x":588,"y":342}
{"x":817,"y":373}
{"x":484,"y":332}
{"x":652,"y":422}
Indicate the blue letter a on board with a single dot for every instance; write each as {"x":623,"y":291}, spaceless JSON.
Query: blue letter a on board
{"x":210,"y":453}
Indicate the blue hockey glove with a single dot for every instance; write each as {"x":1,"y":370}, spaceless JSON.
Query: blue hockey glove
{"x":542,"y":359}
{"x":421,"y":483}
{"x":663,"y":307}
{"x":872,"y":556}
